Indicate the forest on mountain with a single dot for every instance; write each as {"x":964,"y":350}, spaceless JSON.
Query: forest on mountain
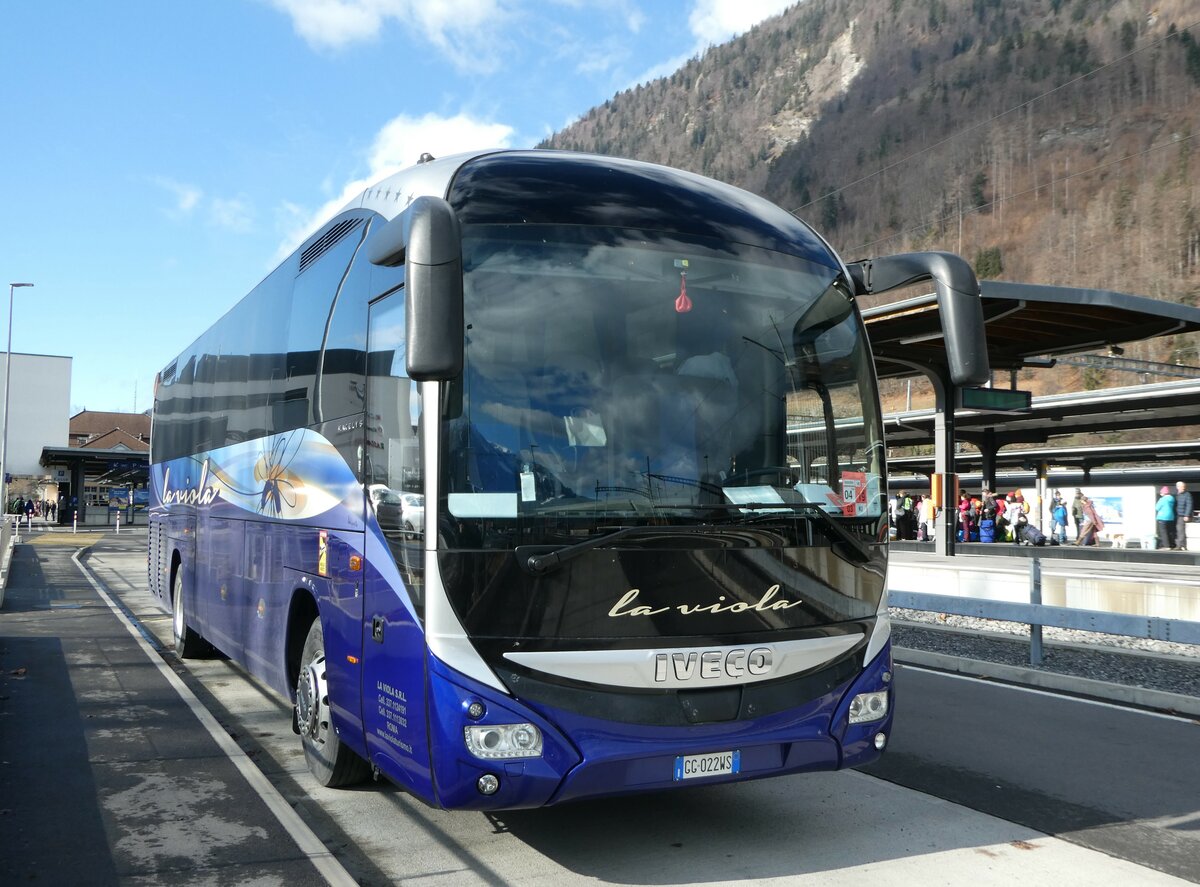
{"x":1046,"y":141}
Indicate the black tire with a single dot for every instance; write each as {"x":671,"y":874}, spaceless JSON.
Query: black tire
{"x":329,"y":760}
{"x":188,"y":644}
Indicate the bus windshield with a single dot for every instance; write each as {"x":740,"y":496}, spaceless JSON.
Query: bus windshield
{"x":632,"y":374}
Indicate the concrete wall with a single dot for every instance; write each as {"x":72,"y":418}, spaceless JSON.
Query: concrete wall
{"x":39,"y":408}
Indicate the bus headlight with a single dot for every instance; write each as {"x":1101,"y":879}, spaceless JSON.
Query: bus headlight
{"x":504,"y":741}
{"x":867,"y":707}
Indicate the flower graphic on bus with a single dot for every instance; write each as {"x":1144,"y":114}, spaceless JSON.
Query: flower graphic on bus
{"x":298,"y":475}
{"x":280,"y":487}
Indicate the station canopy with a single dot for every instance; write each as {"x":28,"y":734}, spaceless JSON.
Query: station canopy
{"x":1024,"y":322}
{"x":1028,"y":325}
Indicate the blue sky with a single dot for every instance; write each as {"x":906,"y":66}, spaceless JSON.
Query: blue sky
{"x":160,"y":156}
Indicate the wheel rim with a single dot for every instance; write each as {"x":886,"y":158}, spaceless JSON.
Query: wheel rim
{"x":177,"y":612}
{"x":312,"y":697}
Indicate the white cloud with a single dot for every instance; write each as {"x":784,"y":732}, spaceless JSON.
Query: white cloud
{"x":231,"y":213}
{"x":190,"y":202}
{"x":667,"y":68}
{"x":187,"y":197}
{"x":404,"y":139}
{"x":399,"y":144}
{"x":715,"y":21}
{"x":464,"y":30}
{"x":332,"y":23}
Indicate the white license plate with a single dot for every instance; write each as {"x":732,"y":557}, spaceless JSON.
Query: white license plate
{"x":720,"y":763}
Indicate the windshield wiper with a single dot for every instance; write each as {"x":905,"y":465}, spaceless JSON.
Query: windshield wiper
{"x":843,"y":540}
{"x":541,"y":563}
{"x":769,"y":511}
{"x":857,"y":548}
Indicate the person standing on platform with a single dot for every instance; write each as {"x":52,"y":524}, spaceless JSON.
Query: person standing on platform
{"x":964,"y":518}
{"x":927,"y":514}
{"x":895,"y":511}
{"x":1059,"y":515}
{"x":1183,"y":514}
{"x":908,"y":519}
{"x":987,"y":524}
{"x":1092,"y":522}
{"x":1077,"y":512}
{"x":1164,"y":513}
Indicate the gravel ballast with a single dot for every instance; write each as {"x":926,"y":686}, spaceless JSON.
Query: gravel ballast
{"x":1132,"y":662}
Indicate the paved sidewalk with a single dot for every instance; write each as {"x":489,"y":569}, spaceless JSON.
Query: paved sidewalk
{"x":106,"y":775}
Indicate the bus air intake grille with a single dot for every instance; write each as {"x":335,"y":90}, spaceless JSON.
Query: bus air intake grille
{"x":321,"y":245}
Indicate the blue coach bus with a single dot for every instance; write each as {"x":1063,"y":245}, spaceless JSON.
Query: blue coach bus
{"x":492,"y":479}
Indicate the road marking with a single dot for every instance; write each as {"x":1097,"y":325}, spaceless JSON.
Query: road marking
{"x":73,"y":539}
{"x":999,"y":682}
{"x":310,"y":845}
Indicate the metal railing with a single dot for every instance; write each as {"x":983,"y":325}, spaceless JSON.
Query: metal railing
{"x":1037,"y":615}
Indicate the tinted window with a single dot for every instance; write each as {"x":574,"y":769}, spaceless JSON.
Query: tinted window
{"x":254,"y":372}
{"x":539,"y":187}
{"x":629,"y":373}
{"x":313,"y":296}
{"x":394,"y":480}
{"x":234,"y":373}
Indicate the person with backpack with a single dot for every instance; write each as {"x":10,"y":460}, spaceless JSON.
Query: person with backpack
{"x":987,"y":526}
{"x":1059,"y":515}
{"x":1026,"y":533}
{"x":1002,"y":527}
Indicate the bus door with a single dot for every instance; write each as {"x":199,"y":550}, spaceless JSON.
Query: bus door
{"x":393,"y":695}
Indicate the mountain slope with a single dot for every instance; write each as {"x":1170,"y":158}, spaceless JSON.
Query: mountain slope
{"x":1045,"y":140}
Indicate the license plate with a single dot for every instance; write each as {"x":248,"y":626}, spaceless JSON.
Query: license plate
{"x":720,"y":763}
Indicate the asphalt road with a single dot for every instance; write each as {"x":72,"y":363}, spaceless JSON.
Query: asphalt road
{"x":1119,"y":780}
{"x":1117,"y":787}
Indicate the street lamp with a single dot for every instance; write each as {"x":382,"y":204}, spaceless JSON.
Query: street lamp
{"x":7,"y":377}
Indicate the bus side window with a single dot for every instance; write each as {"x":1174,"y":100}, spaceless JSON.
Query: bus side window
{"x":392,"y":467}
{"x":323,"y":269}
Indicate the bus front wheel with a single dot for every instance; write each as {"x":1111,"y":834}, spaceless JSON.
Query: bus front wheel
{"x":328,"y":759}
{"x":188,"y":644}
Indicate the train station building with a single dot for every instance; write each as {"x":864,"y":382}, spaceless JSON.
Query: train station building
{"x":1029,"y":325}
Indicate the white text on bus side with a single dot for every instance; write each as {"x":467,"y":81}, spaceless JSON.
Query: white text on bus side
{"x":201,"y":495}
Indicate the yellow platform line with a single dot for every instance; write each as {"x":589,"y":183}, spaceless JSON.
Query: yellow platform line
{"x":72,"y":540}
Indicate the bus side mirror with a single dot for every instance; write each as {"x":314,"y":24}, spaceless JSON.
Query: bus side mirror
{"x":958,"y":302}
{"x":427,"y":239}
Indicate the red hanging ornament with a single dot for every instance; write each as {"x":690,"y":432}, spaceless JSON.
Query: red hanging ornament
{"x":683,"y":304}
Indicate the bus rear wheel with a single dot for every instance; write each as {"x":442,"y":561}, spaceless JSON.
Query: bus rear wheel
{"x":188,"y":644}
{"x":329,"y":760}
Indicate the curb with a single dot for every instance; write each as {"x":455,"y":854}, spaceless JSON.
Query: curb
{"x":8,"y":538}
{"x":1124,"y":694}
{"x":5,"y":563}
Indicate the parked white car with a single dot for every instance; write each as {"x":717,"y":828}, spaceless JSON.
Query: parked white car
{"x":413,"y":512}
